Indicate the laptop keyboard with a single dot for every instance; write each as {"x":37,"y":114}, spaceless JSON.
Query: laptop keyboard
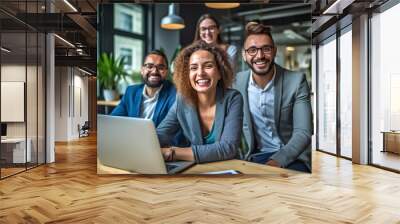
{"x":170,"y":167}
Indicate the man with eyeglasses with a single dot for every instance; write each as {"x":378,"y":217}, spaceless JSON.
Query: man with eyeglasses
{"x":277,"y":122}
{"x":154,"y":97}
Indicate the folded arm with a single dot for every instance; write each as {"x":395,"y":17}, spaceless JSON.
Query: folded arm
{"x":302,"y":127}
{"x":227,"y":147}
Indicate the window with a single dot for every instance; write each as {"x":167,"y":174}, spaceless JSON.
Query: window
{"x":129,"y":18}
{"x":385,"y":87}
{"x":125,"y":22}
{"x":327,"y":96}
{"x":127,"y":53}
{"x":132,"y":49}
{"x":129,"y":40}
{"x":346,"y":93}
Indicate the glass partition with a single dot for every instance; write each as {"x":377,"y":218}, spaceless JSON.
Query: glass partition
{"x":385,"y":89}
{"x":346,"y":93}
{"x":13,"y":113}
{"x":31,"y":98}
{"x":22,"y":87}
{"x":41,"y":96}
{"x":327,"y":96}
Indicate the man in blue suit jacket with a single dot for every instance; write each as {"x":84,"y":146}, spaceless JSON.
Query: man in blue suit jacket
{"x":154,"y":97}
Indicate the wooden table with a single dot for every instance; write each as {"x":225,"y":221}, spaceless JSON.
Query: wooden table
{"x":244,"y":167}
{"x":391,"y":141}
{"x":107,"y":105}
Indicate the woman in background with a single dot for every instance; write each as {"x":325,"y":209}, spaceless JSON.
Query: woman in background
{"x":208,"y":30}
{"x":209,"y":113}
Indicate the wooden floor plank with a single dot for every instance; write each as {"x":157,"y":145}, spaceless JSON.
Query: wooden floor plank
{"x":70,"y":191}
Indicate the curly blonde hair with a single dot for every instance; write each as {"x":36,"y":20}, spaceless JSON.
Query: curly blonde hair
{"x":181,"y":73}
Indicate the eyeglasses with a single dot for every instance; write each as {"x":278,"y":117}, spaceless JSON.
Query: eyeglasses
{"x":266,"y":49}
{"x":151,"y":67}
{"x":210,"y":28}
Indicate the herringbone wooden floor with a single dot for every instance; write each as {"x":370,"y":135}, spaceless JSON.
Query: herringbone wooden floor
{"x":70,"y":191}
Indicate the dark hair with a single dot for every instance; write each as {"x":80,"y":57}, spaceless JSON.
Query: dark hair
{"x":201,"y":19}
{"x":181,"y":73}
{"x":159,"y":53}
{"x":256,"y":28}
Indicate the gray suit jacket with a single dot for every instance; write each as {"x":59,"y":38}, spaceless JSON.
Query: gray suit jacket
{"x":227,"y":127}
{"x":293,"y":116}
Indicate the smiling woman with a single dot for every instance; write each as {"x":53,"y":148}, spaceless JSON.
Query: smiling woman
{"x":207,"y":111}
{"x":208,"y":30}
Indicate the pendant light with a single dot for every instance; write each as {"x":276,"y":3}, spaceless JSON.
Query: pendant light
{"x":172,"y":21}
{"x":223,"y":5}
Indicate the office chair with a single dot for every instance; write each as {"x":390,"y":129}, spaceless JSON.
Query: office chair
{"x":84,"y":130}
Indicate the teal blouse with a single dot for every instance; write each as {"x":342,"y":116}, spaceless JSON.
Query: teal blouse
{"x":210,"y":138}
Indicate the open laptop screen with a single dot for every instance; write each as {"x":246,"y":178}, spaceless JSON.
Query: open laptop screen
{"x":3,"y":129}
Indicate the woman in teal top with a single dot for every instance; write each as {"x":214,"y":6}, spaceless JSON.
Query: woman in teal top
{"x":209,"y":113}
{"x":210,"y":138}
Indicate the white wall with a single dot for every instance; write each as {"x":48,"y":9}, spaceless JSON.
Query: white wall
{"x":61,"y":103}
{"x":12,"y":73}
{"x":71,"y":102}
{"x":33,"y":127}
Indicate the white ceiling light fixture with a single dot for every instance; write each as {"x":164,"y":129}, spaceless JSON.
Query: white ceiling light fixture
{"x":172,"y":21}
{"x":65,"y":41}
{"x":79,"y":51}
{"x":293,"y":35}
{"x":70,"y":5}
{"x":223,"y":5}
{"x":5,"y":50}
{"x":290,"y":48}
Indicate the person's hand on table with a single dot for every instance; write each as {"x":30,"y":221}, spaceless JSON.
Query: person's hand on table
{"x":167,"y":153}
{"x":273,"y":163}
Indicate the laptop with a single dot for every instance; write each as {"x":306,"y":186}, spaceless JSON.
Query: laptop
{"x":132,"y":144}
{"x":3,"y":131}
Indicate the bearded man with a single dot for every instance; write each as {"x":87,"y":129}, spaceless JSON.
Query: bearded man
{"x":277,"y":122}
{"x":154,"y":97}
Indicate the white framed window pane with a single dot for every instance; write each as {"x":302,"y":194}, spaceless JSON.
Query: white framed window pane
{"x":327,"y":97}
{"x":129,"y":18}
{"x":131,"y":49}
{"x":385,"y":84}
{"x":346,"y":94}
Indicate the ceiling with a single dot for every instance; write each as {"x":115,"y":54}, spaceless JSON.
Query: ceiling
{"x":289,"y":23}
{"x":76,"y":22}
{"x":330,"y":16}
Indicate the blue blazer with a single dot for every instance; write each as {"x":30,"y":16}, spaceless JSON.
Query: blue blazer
{"x":132,"y":100}
{"x":227,"y":127}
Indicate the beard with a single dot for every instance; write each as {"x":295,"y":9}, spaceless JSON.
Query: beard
{"x":263,"y":71}
{"x":153,"y":84}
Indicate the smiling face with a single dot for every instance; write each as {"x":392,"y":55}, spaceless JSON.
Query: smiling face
{"x":208,"y":31}
{"x":262,"y":62}
{"x":154,"y":71}
{"x":203,"y":72}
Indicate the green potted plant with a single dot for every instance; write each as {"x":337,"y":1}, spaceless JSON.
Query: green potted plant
{"x":171,"y":67}
{"x":136,"y":77}
{"x":110,"y":71}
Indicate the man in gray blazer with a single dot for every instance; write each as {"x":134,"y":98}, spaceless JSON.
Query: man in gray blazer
{"x":277,"y":122}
